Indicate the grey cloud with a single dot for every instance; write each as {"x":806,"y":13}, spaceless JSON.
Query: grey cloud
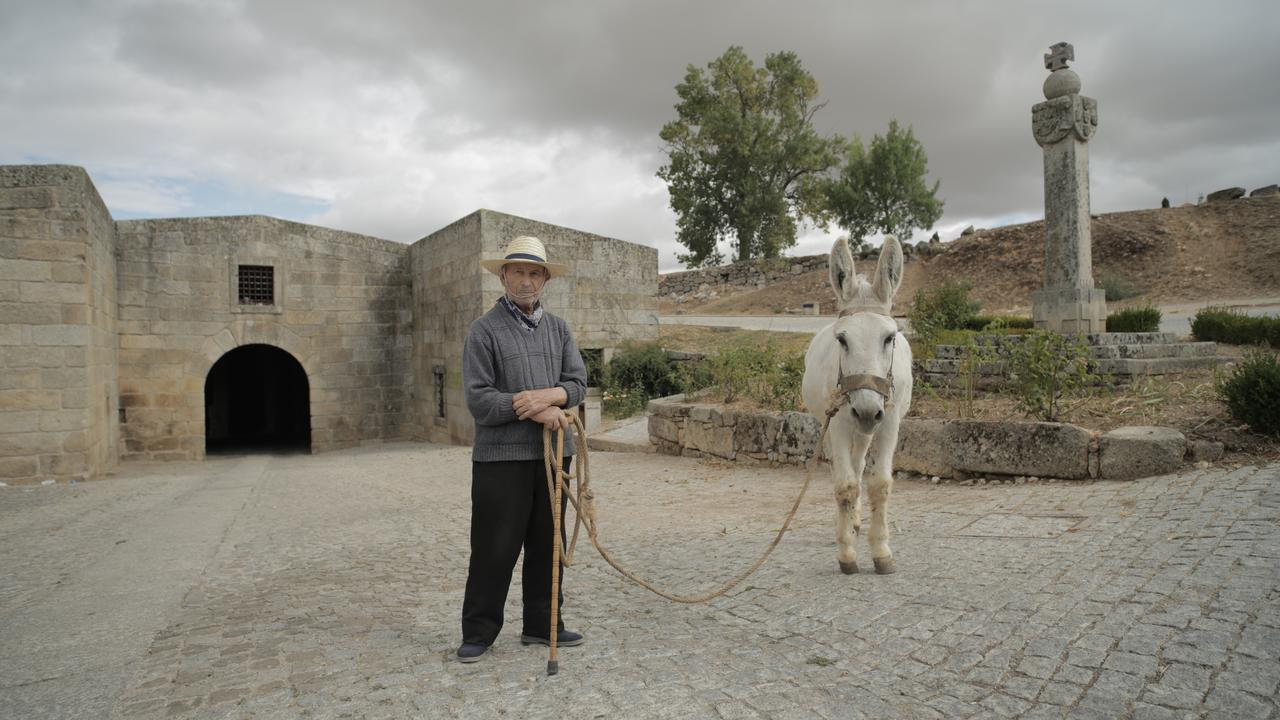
{"x":277,"y":94}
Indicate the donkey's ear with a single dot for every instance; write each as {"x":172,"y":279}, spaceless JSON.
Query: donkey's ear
{"x":842,"y":278}
{"x":888,"y":270}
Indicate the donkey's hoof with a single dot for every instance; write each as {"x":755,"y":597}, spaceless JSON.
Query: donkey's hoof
{"x":885,"y":565}
{"x":848,"y":568}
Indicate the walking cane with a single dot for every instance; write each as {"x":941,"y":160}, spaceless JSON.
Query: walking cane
{"x":553,"y":660}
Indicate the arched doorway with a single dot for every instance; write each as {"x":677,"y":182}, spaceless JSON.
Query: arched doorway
{"x":257,"y":398}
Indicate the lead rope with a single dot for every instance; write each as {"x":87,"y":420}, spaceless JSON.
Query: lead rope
{"x":585,"y":512}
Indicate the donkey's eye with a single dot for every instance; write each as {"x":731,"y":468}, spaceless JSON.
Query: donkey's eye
{"x":843,"y":342}
{"x":888,"y":340}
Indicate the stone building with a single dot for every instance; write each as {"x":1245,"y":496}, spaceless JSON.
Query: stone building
{"x":169,"y":339}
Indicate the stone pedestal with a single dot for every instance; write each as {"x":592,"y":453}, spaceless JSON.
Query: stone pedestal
{"x":1070,"y":310}
{"x":1062,"y":125}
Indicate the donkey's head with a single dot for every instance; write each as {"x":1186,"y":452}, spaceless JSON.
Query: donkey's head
{"x":865,"y":332}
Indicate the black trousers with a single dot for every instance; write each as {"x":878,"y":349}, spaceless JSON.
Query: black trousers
{"x":510,"y":509}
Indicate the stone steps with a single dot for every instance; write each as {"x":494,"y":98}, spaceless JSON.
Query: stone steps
{"x":1111,"y":354}
{"x":1151,"y":351}
{"x":1139,"y":351}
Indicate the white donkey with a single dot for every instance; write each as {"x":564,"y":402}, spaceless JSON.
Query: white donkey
{"x":859,"y":369}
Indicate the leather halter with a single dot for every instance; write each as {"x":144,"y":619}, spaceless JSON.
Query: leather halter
{"x":847,"y":384}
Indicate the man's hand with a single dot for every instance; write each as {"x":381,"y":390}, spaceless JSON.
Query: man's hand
{"x":530,"y":403}
{"x":552,"y":418}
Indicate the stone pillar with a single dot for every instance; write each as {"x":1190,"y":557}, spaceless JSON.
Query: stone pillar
{"x":1062,"y":125}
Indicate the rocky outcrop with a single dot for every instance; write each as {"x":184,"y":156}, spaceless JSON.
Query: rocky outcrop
{"x":1225,"y":194}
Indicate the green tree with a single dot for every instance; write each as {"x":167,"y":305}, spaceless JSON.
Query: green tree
{"x":745,"y":161}
{"x":883,"y":189}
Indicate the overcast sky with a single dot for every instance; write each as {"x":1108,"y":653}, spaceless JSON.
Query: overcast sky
{"x":394,"y":119}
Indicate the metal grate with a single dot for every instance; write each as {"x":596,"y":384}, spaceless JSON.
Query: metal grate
{"x":257,"y":285}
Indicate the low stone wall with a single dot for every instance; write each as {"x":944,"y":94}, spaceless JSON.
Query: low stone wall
{"x":742,"y":274}
{"x":945,"y":448}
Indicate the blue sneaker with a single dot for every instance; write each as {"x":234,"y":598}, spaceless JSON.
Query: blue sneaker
{"x":471,"y":652}
{"x":564,"y":638}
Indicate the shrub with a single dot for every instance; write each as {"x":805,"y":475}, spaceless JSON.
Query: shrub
{"x":1117,"y":288}
{"x":1143,"y":319}
{"x":1252,"y":392}
{"x":1046,"y":368}
{"x":973,"y":358}
{"x":1231,"y":326}
{"x":762,"y":374}
{"x":946,"y":307}
{"x":637,"y":373}
{"x":998,"y":322}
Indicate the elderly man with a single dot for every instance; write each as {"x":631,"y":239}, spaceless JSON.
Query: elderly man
{"x":520,"y":368}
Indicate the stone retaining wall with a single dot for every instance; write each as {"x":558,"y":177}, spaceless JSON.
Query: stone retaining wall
{"x":946,"y":448}
{"x":757,"y":273}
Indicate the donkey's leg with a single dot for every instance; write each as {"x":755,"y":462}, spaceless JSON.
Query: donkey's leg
{"x":848,"y":455}
{"x":879,"y":485}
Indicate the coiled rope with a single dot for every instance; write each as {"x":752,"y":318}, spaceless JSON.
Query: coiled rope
{"x":585,"y":514}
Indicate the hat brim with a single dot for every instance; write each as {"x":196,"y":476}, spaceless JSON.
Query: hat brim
{"x":495,"y":266}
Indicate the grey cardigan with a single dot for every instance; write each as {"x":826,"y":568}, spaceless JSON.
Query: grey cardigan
{"x":502,"y":358}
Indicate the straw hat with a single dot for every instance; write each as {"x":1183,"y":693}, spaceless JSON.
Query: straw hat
{"x":525,"y":249}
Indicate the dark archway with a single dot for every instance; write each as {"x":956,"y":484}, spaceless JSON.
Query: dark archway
{"x":257,"y":398}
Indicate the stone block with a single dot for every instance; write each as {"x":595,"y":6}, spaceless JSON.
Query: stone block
{"x":1225,"y":194}
{"x":671,"y":407}
{"x":756,"y":432}
{"x":19,"y":421}
{"x":709,"y":439}
{"x":15,"y":400}
{"x":26,"y":198}
{"x":51,"y":250}
{"x":19,"y":468}
{"x":28,"y":270}
{"x":1135,"y":452}
{"x":941,"y":447}
{"x":798,"y":434}
{"x":665,"y":429}
{"x":29,"y":443}
{"x":60,"y":335}
{"x":65,"y":464}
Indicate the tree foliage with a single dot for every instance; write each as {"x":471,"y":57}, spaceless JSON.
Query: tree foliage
{"x":745,"y":161}
{"x":883,"y":189}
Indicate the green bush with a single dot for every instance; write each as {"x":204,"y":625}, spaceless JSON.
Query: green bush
{"x":1143,"y":319}
{"x":1231,"y":326}
{"x":1252,"y":392}
{"x":998,"y":322}
{"x":1117,"y":288}
{"x":946,"y":307}
{"x":762,"y":374}
{"x":1045,"y":369}
{"x":636,"y":374}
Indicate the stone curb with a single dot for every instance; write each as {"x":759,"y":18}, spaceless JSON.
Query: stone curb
{"x":928,"y":446}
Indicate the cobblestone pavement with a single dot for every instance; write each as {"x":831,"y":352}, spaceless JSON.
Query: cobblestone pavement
{"x":329,"y":587}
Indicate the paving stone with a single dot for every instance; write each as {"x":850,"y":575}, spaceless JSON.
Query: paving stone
{"x":330,"y":586}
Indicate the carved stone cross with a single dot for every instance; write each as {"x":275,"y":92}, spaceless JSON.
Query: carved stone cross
{"x":1058,"y":55}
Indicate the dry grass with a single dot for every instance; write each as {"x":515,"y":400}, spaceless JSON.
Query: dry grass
{"x":709,"y":340}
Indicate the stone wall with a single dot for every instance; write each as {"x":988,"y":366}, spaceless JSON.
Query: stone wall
{"x":57,"y":325}
{"x":752,"y":273}
{"x":109,"y":331}
{"x":709,"y":430}
{"x":946,"y":448}
{"x":608,"y":298}
{"x":342,"y":311}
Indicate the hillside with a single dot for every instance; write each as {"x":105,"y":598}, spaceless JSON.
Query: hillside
{"x":1214,"y":252}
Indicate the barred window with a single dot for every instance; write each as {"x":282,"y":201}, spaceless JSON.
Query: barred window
{"x":438,"y":372}
{"x":257,"y":285}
